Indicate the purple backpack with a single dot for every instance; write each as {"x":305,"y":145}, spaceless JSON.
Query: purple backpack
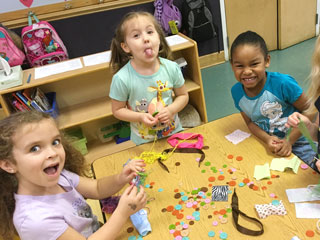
{"x":8,"y":50}
{"x":42,"y":44}
{"x":165,"y":12}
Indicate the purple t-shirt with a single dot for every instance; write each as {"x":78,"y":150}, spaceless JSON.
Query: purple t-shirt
{"x":49,"y":216}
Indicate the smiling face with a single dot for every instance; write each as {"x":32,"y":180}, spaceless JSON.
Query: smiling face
{"x":39,"y":157}
{"x":249,"y":66}
{"x":142,"y":40}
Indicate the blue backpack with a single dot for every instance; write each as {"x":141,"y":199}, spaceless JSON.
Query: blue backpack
{"x":166,"y":13}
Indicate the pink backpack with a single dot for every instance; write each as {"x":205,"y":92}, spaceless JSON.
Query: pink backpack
{"x":42,"y":44}
{"x":8,"y":50}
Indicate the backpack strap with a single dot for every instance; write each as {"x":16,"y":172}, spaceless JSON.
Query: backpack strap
{"x":235,"y":215}
{"x":30,"y":15}
{"x":158,"y":10}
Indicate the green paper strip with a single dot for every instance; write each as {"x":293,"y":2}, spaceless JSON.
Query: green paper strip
{"x":305,"y":132}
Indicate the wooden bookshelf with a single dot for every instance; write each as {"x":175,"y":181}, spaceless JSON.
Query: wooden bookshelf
{"x":82,"y":96}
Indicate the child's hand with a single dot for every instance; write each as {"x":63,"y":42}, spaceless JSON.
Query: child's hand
{"x":318,"y":165}
{"x":165,"y":115}
{"x":148,"y":120}
{"x":132,"y":201}
{"x":130,"y":170}
{"x":285,"y":150}
{"x":274,"y":144}
{"x":294,"y":119}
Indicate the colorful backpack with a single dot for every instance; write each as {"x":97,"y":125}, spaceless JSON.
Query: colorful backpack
{"x":42,"y":44}
{"x":165,"y":12}
{"x":8,"y":50}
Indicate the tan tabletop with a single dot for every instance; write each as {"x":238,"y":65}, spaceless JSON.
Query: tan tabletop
{"x":188,"y":176}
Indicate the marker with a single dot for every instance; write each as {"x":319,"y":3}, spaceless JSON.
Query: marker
{"x":29,"y":78}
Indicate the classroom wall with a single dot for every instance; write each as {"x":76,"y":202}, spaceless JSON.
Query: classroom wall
{"x":92,"y":33}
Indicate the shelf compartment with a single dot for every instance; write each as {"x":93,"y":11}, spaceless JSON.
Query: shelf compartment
{"x":84,"y":112}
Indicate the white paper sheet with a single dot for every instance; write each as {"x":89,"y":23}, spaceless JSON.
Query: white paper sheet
{"x":98,"y":58}
{"x":237,"y":136}
{"x":51,"y":69}
{"x":301,"y":195}
{"x":307,"y":210}
{"x":175,"y":39}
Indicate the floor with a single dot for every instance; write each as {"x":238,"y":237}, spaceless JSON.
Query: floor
{"x":218,"y":79}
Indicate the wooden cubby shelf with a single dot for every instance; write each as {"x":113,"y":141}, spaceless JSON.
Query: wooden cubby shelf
{"x":82,"y":96}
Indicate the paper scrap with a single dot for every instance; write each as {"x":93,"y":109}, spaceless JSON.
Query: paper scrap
{"x":307,"y":210}
{"x":301,"y":195}
{"x":175,"y":39}
{"x":51,"y":69}
{"x":261,"y":171}
{"x":97,"y":58}
{"x":237,"y":136}
{"x":280,"y":164}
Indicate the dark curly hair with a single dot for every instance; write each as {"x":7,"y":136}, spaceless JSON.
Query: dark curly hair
{"x":74,"y":162}
{"x":250,"y":38}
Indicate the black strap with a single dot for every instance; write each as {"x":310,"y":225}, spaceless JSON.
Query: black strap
{"x":235,"y":214}
{"x":187,"y":150}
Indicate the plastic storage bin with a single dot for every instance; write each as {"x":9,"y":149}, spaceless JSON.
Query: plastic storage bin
{"x":77,"y":140}
{"x":54,"y":111}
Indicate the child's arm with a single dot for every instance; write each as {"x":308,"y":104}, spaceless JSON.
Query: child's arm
{"x":180,"y":101}
{"x":130,"y":202}
{"x":120,"y":111}
{"x":107,"y":186}
{"x":273,"y":143}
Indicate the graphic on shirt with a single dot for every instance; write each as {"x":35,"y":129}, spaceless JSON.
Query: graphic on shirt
{"x":154,"y":107}
{"x":82,"y":209}
{"x":142,"y":106}
{"x":273,"y":111}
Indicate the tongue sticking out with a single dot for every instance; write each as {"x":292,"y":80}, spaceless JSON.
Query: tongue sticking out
{"x":50,"y":170}
{"x":148,"y":52}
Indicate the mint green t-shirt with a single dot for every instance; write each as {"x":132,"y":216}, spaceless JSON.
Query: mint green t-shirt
{"x":148,"y":94}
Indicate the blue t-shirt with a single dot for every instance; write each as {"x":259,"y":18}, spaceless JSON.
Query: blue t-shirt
{"x":145,"y":94}
{"x":272,"y":106}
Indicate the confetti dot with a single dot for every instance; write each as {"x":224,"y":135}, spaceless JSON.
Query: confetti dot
{"x":255,"y":188}
{"x":246,"y":180}
{"x":239,"y":158}
{"x":211,"y":179}
{"x":130,"y":229}
{"x":264,"y":188}
{"x":275,"y":202}
{"x":214,"y":223}
{"x":304,"y":166}
{"x":132,"y":238}
{"x":225,"y":165}
{"x":211,"y":234}
{"x":207,"y":163}
{"x":170,"y":208}
{"x":223,"y":235}
{"x":241,"y":184}
{"x":272,"y":195}
{"x":147,"y":186}
{"x":220,"y":177}
{"x":269,"y":182}
{"x":198,"y":159}
{"x":230,"y":156}
{"x":160,"y":190}
{"x":178,"y":207}
{"x":310,"y":233}
{"x":232,"y":183}
{"x":203,"y":171}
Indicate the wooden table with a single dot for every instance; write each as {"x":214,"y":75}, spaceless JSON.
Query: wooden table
{"x":187,"y":176}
